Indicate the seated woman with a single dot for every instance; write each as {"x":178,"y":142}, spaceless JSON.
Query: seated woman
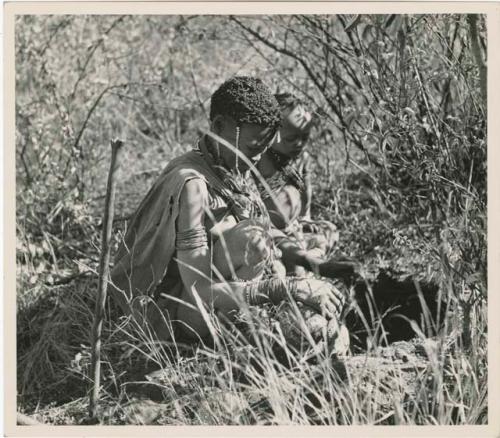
{"x":201,"y":237}
{"x":285,"y":166}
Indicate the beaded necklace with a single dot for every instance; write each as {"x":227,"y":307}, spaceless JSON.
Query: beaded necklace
{"x":285,"y":173}
{"x":279,"y":160}
{"x":240,"y":192}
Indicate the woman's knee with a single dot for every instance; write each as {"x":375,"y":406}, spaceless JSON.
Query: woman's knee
{"x":243,"y":250}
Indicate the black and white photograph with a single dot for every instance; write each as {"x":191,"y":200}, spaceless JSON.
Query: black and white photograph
{"x":251,"y":219}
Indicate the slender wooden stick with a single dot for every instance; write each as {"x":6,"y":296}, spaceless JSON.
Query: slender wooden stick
{"x":107,"y":228}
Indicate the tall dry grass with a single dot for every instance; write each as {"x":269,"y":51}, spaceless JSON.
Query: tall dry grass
{"x":254,"y":377}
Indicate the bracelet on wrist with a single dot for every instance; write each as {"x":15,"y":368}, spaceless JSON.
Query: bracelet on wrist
{"x":274,"y":290}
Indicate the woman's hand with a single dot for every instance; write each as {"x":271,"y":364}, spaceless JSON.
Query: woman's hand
{"x":336,"y":269}
{"x":321,"y":295}
{"x":308,"y":226}
{"x":342,"y":268}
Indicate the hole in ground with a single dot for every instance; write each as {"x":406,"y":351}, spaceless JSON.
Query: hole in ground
{"x":391,"y":298}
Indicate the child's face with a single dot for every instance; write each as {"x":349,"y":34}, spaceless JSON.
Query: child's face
{"x":294,"y":132}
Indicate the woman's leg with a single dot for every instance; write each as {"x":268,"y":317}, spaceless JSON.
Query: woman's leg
{"x":241,"y":253}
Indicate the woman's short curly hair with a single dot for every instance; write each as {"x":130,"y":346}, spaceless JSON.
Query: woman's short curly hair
{"x":246,"y":100}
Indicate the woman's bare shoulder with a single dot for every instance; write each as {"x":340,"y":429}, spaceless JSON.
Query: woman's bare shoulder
{"x":192,"y":204}
{"x":194,"y":190}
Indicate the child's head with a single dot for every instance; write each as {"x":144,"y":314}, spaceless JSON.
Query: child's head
{"x":296,"y":125}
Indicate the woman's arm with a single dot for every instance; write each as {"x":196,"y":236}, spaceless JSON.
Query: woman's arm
{"x":195,"y":263}
{"x":290,"y":202}
{"x":293,"y":255}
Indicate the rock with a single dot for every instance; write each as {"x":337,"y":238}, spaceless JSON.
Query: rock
{"x":402,"y":355}
{"x":427,"y":348}
{"x":26,"y":420}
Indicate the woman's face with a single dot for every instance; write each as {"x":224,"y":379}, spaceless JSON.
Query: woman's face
{"x":252,"y":142}
{"x":294,"y":132}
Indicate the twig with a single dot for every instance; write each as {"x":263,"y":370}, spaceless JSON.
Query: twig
{"x":61,"y":25}
{"x":116,"y":146}
{"x":353,"y":24}
{"x":476,"y":50}
{"x":95,"y":46}
{"x":91,"y":111}
{"x":315,"y":78}
{"x":93,"y":108}
{"x":68,"y":279}
{"x":193,"y":79}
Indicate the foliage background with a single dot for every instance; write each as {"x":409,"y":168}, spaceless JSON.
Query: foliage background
{"x":399,"y":148}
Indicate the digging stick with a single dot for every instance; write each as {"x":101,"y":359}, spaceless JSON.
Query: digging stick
{"x":107,"y":228}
